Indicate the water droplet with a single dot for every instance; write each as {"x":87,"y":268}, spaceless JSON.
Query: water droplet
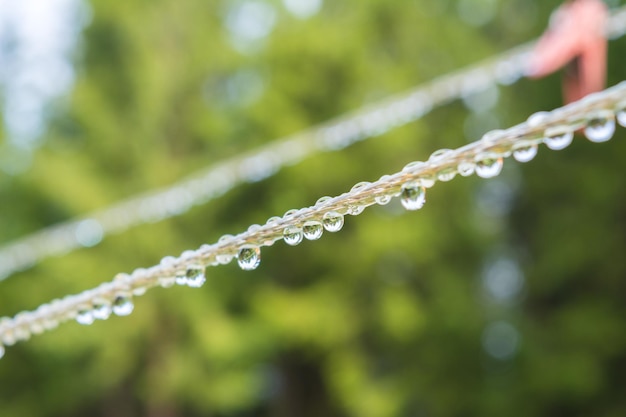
{"x":123,"y":305}
{"x":557,"y":140}
{"x":354,"y":209}
{"x":101,"y":310}
{"x":413,"y":166}
{"x":360,"y":185}
{"x":382,"y":199}
{"x":446,"y":174}
{"x":466,"y":168}
{"x":438,"y":155}
{"x":167,"y":282}
{"x":289,"y":213}
{"x":139,"y":291}
{"x":2,"y":350}
{"x":538,"y":118}
{"x":601,"y":128}
{"x":491,"y":136}
{"x":249,"y":258}
{"x":427,"y":180}
{"x":621,"y":114}
{"x":413,"y":196}
{"x":181,"y":278}
{"x":525,"y":153}
{"x":489,"y":167}
{"x":292,"y":235}
{"x":195,"y":276}
{"x":333,"y":221}
{"x":273,"y":220}
{"x":312,"y":230}
{"x":85,"y":317}
{"x":322,"y":200}
{"x":254,"y":228}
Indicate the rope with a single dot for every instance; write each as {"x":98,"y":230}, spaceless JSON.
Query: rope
{"x":595,"y":114}
{"x":364,"y":123}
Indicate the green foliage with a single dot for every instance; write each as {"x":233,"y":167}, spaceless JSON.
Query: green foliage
{"x":385,"y":318}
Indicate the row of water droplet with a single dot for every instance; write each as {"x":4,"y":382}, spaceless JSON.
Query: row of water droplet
{"x":296,"y":225}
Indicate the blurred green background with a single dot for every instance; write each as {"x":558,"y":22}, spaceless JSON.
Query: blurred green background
{"x":499,"y":297}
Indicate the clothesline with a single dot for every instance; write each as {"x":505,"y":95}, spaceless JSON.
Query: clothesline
{"x":595,"y":114}
{"x":370,"y":121}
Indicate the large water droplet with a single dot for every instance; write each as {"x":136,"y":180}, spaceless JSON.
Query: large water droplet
{"x":489,"y":167}
{"x":123,"y":305}
{"x":1,"y":351}
{"x":600,"y":129}
{"x":413,"y":196}
{"x":333,"y":221}
{"x":101,"y":310}
{"x":181,"y":278}
{"x":466,"y":168}
{"x":85,"y":317}
{"x":195,"y":276}
{"x":249,"y":258}
{"x":446,"y":174}
{"x":289,"y":213}
{"x":292,"y":235}
{"x":525,"y":153}
{"x":312,"y":230}
{"x":558,"y":140}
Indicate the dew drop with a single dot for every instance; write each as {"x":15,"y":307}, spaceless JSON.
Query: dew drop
{"x":139,"y":291}
{"x":195,"y":276}
{"x":167,"y":282}
{"x":123,"y":305}
{"x":354,"y":209}
{"x":525,"y":153}
{"x":292,"y":235}
{"x":427,"y":181}
{"x":413,"y":196}
{"x":438,"y":155}
{"x":489,"y":167}
{"x":382,"y":199}
{"x":181,"y":278}
{"x":273,"y":220}
{"x":289,"y":213}
{"x":558,"y":141}
{"x":322,"y":200}
{"x":446,"y":174}
{"x":312,"y":230}
{"x":621,"y":115}
{"x":333,"y":221}
{"x":600,"y":129}
{"x":412,"y":166}
{"x":85,"y":317}
{"x":8,"y":338}
{"x":101,"y":310}
{"x":466,"y":168}
{"x":249,"y":258}
{"x":360,"y":185}
{"x":538,"y":118}
{"x":2,"y":350}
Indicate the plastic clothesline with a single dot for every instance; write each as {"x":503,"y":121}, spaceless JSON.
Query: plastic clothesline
{"x":369,"y":121}
{"x":596,"y":114}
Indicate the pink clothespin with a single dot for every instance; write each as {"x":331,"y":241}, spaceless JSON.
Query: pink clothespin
{"x":575,"y":40}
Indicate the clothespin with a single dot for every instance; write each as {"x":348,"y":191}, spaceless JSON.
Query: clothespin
{"x":575,"y":40}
